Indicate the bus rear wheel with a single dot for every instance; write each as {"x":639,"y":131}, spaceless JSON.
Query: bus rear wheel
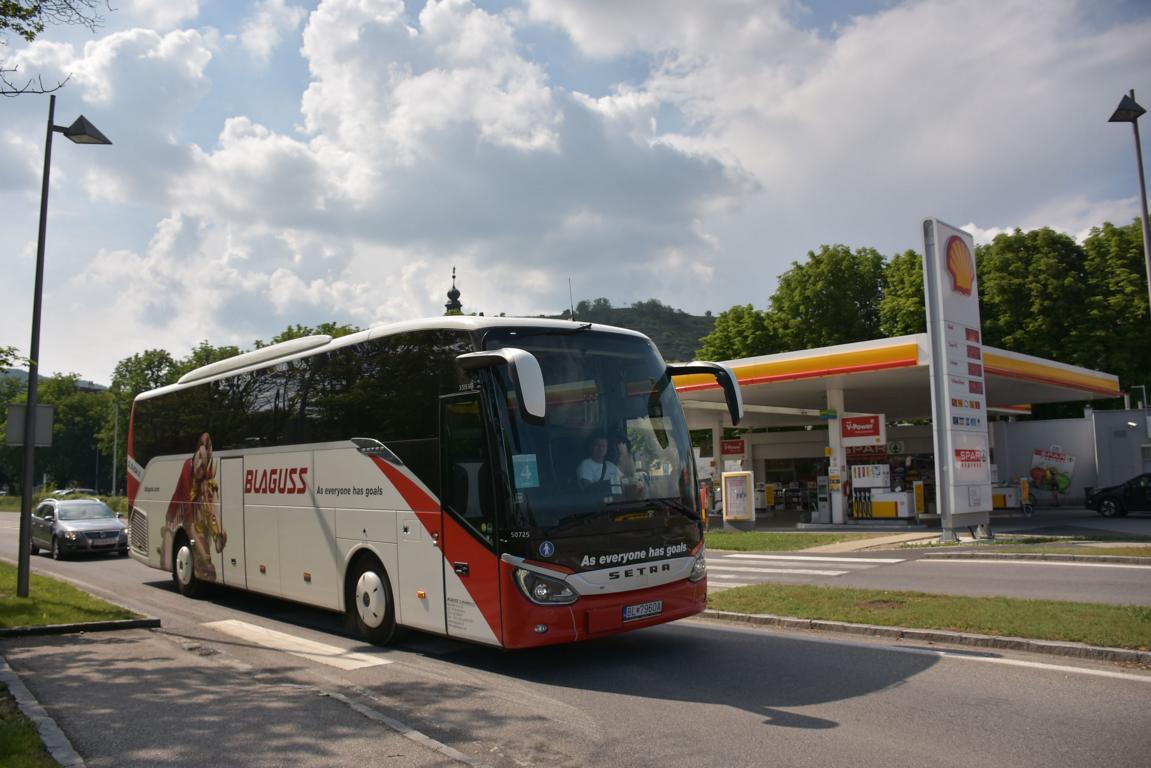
{"x":184,"y":568}
{"x":370,"y":611}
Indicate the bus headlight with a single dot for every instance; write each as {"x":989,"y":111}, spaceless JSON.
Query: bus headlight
{"x":543,"y":590}
{"x":698,"y":568}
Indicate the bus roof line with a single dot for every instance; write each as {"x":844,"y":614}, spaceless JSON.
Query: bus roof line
{"x":261,"y":355}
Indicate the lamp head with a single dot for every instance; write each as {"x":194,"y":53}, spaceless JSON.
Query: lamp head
{"x":1128,"y":110}
{"x":83,"y":132}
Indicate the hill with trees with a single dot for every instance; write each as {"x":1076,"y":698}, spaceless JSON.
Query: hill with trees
{"x":675,"y":332}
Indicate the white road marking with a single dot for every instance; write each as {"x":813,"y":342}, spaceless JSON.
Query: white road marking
{"x":308,"y":649}
{"x":817,"y":558}
{"x":1034,"y":562}
{"x":711,"y":567}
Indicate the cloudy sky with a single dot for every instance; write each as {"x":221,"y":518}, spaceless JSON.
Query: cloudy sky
{"x":283,"y":161}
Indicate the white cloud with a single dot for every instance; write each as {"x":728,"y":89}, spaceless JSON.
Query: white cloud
{"x":161,"y":14}
{"x":714,"y":144}
{"x":263,"y":31}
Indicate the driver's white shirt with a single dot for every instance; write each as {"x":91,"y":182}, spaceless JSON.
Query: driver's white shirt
{"x":593,"y":471}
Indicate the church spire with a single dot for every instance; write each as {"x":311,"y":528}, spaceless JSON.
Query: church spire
{"x":454,"y":307}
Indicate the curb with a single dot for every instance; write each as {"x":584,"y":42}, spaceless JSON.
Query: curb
{"x":90,"y":626}
{"x":54,"y":739}
{"x":1036,"y":556}
{"x":1049,"y":647}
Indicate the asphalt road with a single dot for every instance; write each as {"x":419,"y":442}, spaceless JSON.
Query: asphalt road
{"x":685,"y":694}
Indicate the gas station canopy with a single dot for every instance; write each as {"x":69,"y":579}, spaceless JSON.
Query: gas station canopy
{"x":887,"y":376}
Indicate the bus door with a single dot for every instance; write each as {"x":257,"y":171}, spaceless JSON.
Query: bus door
{"x":471,"y":566}
{"x":232,"y":521}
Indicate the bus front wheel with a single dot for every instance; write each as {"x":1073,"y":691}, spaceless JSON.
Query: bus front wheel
{"x":370,"y":611}
{"x":184,"y":568}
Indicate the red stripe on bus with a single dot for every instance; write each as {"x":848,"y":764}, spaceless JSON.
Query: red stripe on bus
{"x":417,"y":498}
{"x":455,"y":543}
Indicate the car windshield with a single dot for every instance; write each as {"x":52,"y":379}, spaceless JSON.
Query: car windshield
{"x":614,"y":449}
{"x":93,"y":511}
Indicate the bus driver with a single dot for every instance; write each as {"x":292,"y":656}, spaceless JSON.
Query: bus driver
{"x":597,"y":468}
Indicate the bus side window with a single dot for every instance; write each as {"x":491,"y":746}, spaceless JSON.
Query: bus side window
{"x":467,"y":488}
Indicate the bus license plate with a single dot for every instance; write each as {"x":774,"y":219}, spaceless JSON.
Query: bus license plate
{"x":642,"y":610}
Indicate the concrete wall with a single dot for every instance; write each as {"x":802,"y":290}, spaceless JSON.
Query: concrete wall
{"x":1122,"y":451}
{"x":1014,"y":444}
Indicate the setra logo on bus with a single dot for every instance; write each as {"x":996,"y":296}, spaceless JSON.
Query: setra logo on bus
{"x":278,"y":480}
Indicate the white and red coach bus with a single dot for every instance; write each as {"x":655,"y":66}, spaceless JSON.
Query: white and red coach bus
{"x":425,"y":475}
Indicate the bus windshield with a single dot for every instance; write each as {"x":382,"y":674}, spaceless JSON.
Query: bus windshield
{"x":613,"y":451}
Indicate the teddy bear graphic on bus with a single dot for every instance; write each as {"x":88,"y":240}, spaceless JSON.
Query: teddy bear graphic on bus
{"x":196,"y":506}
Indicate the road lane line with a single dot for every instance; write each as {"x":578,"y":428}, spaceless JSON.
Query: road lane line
{"x":711,"y":567}
{"x":818,"y":558}
{"x":297,"y":646}
{"x":996,"y":561}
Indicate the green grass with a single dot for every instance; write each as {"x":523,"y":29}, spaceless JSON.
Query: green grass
{"x":1115,"y":626}
{"x":773,"y":541}
{"x":20,"y":745}
{"x":50,"y":602}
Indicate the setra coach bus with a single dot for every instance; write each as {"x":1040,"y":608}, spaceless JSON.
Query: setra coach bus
{"x":427,"y":474}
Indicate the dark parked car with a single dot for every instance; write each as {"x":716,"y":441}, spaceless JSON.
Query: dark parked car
{"x":72,"y":526}
{"x":1117,"y":500}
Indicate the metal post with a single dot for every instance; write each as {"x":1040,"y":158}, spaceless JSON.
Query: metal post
{"x":25,"y":548}
{"x":115,"y":442}
{"x":1143,"y":199}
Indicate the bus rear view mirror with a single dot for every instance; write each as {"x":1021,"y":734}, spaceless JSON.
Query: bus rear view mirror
{"x":724,"y":376}
{"x":525,"y":372}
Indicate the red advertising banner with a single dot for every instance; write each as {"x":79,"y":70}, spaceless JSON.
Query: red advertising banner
{"x":859,"y":426}
{"x":731,"y":447}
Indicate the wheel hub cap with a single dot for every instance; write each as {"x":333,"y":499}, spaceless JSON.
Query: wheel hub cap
{"x":184,"y":564}
{"x":371,"y":602}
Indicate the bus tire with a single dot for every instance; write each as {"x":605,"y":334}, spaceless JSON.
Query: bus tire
{"x":184,"y":567}
{"x":370,"y":611}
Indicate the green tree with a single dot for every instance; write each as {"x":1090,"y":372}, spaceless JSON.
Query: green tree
{"x":902,"y":309}
{"x":742,"y":331}
{"x":204,"y":354}
{"x":1113,"y":319}
{"x":144,"y":371}
{"x":335,"y":330}
{"x":1031,"y":290}
{"x":832,"y":298}
{"x":75,"y":457}
{"x":10,"y":355}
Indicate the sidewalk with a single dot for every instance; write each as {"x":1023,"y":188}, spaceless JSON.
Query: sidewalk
{"x":141,"y":698}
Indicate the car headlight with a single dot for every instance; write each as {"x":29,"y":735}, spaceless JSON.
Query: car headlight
{"x":71,"y":535}
{"x":698,"y":568}
{"x":543,"y":590}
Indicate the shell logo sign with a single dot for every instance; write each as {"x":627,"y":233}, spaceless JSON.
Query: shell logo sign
{"x":960,"y":266}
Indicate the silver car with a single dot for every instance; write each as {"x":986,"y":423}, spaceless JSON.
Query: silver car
{"x":73,"y":526}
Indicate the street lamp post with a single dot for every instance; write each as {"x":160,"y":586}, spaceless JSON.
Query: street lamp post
{"x":80,"y":132}
{"x":1129,"y":111}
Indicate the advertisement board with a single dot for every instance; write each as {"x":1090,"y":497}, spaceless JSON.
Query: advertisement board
{"x":731,"y":447}
{"x":738,"y":502}
{"x":1052,"y":468}
{"x":863,"y":430}
{"x":958,"y":387}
